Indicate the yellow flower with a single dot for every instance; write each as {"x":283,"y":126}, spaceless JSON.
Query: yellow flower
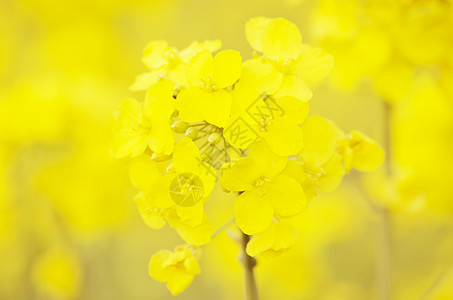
{"x":57,"y":273}
{"x":154,"y":217}
{"x":360,"y":152}
{"x":266,"y":192}
{"x":146,"y":125}
{"x":207,"y":97}
{"x":180,"y":205}
{"x":320,"y":162}
{"x":177,"y":268}
{"x":166,"y":62}
{"x":277,"y":122}
{"x":275,"y":240}
{"x":280,"y":42}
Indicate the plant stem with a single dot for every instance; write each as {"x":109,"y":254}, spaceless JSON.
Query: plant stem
{"x":388,"y":137}
{"x":384,"y":255}
{"x":384,"y":234}
{"x":251,"y":291}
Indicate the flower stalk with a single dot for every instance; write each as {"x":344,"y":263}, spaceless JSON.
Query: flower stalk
{"x":251,"y":290}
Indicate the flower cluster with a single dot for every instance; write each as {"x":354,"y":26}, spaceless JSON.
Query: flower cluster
{"x":211,"y":115}
{"x":392,"y":31}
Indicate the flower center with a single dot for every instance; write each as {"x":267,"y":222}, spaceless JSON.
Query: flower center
{"x":207,"y":84}
{"x":144,"y":125}
{"x":265,"y":121}
{"x":260,"y":185}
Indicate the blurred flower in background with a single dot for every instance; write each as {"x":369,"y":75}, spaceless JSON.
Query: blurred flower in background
{"x":68,"y":226}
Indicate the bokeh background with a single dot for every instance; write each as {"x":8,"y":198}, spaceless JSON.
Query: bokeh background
{"x":69,"y":228}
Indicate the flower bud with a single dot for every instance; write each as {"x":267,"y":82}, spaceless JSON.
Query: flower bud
{"x":191,"y":133}
{"x":214,"y":138}
{"x":179,"y":126}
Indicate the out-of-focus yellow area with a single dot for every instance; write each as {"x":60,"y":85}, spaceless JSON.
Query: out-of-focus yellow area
{"x":69,"y":228}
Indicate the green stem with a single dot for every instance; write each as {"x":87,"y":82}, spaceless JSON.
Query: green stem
{"x":251,"y":290}
{"x":384,"y":234}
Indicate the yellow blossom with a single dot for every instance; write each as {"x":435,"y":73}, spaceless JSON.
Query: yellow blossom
{"x":275,"y":240}
{"x":161,"y":200}
{"x":57,"y":273}
{"x":360,"y":152}
{"x":167,"y":62}
{"x":177,"y":268}
{"x":145,"y":125}
{"x":321,"y":164}
{"x":277,"y":122}
{"x":206,"y":97}
{"x":266,"y":192}
{"x":280,"y":42}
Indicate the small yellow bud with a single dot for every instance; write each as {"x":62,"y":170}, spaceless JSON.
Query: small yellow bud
{"x":191,"y":133}
{"x":179,"y":126}
{"x":214,"y":138}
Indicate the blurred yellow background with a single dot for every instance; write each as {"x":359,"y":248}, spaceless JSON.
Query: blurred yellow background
{"x":68,"y":226}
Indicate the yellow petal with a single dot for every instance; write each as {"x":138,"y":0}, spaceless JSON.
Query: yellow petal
{"x":254,"y":30}
{"x":367,"y":155}
{"x":284,"y":138}
{"x":195,"y":47}
{"x":262,"y":241}
{"x":160,"y":137}
{"x":131,"y":111}
{"x":192,"y":266}
{"x":153,"y":54}
{"x":334,"y":173}
{"x":268,"y":163}
{"x":150,"y":215}
{"x":194,"y":235}
{"x":285,"y":237}
{"x":217,"y":107}
{"x":128,"y":142}
{"x":186,"y":157}
{"x":293,"y":85}
{"x":191,"y":216}
{"x":313,"y":64}
{"x":159,"y":99}
{"x":286,"y":196}
{"x":320,"y":140}
{"x":145,"y":80}
{"x":159,"y":191}
{"x":190,"y":103}
{"x":253,"y":212}
{"x":201,"y":68}
{"x":156,"y":269}
{"x":227,"y":68}
{"x":241,"y":176}
{"x":208,"y":176}
{"x":142,"y":172}
{"x":295,"y":170}
{"x":295,"y":110}
{"x":260,"y":75}
{"x":179,"y":282}
{"x":281,"y":40}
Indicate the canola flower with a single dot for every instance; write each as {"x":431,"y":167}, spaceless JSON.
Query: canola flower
{"x":378,"y":43}
{"x":412,"y":80}
{"x":210,"y":116}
